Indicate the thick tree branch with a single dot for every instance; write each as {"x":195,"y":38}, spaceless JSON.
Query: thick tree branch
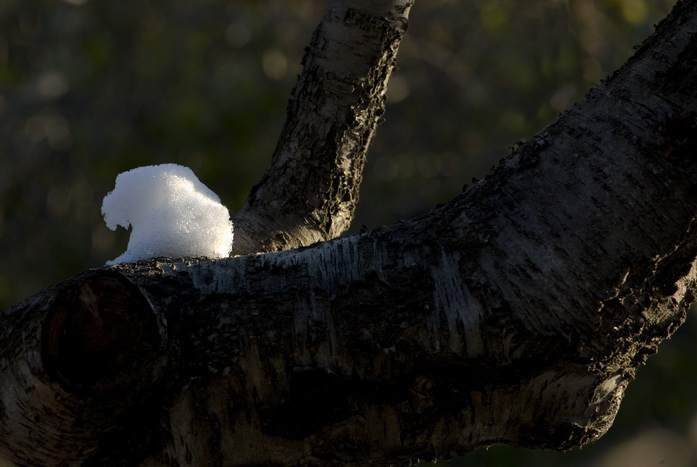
{"x":517,"y":313}
{"x":78,"y":360}
{"x":310,"y":190}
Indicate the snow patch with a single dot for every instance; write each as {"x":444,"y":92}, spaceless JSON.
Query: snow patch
{"x":172,"y":214}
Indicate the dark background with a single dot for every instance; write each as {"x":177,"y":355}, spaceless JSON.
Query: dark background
{"x":89,"y":89}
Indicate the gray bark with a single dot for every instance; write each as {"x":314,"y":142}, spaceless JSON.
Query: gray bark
{"x":310,"y":190}
{"x":516,"y":313}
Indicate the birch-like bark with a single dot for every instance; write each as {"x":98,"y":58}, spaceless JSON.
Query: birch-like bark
{"x":516,"y":313}
{"x":310,"y":190}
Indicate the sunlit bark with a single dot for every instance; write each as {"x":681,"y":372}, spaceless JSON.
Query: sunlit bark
{"x":516,"y":313}
{"x":310,"y":190}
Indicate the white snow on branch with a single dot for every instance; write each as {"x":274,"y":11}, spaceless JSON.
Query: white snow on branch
{"x":172,"y":214}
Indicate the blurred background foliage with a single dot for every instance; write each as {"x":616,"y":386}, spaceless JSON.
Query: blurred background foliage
{"x":89,"y":89}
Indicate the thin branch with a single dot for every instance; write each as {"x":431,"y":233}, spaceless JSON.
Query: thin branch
{"x":310,"y":190}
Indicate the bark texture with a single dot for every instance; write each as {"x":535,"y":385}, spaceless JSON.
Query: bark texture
{"x":516,"y":313}
{"x":310,"y":190}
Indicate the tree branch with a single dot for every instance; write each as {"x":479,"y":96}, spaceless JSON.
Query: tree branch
{"x":517,"y":313}
{"x":78,"y":360}
{"x":310,"y":190}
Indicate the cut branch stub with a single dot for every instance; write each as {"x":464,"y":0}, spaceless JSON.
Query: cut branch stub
{"x":80,"y":361}
{"x":101,"y":335}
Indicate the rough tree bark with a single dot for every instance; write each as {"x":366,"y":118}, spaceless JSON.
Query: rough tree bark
{"x":516,"y":313}
{"x":310,"y":190}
